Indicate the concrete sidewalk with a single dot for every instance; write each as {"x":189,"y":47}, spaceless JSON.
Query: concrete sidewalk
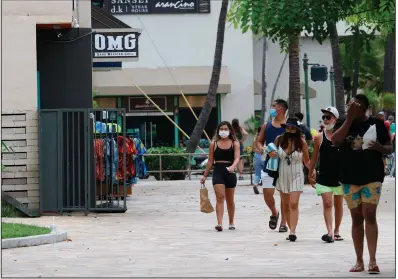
{"x":164,"y":234}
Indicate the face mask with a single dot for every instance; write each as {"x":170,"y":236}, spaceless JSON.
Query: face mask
{"x":273,"y":112}
{"x":223,"y":134}
{"x":329,"y":126}
{"x":293,"y":135}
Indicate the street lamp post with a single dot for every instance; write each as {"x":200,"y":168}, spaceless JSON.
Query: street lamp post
{"x":307,"y":98}
{"x":331,"y":72}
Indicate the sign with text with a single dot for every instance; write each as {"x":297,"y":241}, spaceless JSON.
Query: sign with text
{"x":158,"y":6}
{"x":113,"y":45}
{"x":140,"y":104}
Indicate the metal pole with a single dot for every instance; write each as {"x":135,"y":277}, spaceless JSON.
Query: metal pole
{"x":307,"y":99}
{"x":331,"y":72}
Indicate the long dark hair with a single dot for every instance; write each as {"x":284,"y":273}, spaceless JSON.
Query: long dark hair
{"x":231,"y":131}
{"x":236,"y":127}
{"x":297,"y":140}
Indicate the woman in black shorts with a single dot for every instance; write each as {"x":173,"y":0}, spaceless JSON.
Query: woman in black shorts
{"x":224,"y":153}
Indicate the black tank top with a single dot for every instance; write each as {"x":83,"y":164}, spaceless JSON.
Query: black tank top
{"x":226,"y":155}
{"x":328,"y":173}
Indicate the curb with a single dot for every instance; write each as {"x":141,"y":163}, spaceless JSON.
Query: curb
{"x":35,"y":240}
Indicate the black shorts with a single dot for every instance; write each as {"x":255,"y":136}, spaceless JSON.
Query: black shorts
{"x":222,"y":176}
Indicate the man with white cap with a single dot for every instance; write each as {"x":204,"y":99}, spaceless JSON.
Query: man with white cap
{"x":327,"y":181}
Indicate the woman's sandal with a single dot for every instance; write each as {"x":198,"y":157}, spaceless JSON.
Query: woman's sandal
{"x":373,"y":269}
{"x":337,"y":237}
{"x":357,"y":268}
{"x":218,"y":228}
{"x":232,"y":227}
{"x":327,"y":238}
{"x":282,"y":229}
{"x":292,"y":237}
{"x":273,"y":222}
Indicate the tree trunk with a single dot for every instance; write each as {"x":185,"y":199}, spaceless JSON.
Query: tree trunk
{"x":215,"y":78}
{"x":338,"y":73}
{"x":294,"y":76}
{"x":389,"y":64}
{"x":357,"y":47}
{"x":264,"y":83}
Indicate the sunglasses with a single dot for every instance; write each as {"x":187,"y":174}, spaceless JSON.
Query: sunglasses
{"x":328,"y":117}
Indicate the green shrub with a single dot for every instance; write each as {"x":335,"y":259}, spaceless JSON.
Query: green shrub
{"x":168,"y":162}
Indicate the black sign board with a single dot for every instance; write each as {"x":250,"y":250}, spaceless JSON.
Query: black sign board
{"x":112,"y":45}
{"x":142,"y":104}
{"x":158,"y":6}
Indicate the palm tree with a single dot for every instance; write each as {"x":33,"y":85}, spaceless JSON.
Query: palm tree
{"x":389,"y":64}
{"x":294,"y":75}
{"x":215,"y":78}
{"x":338,"y":72}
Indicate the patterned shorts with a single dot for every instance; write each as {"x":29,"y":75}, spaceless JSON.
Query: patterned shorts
{"x":357,"y":194}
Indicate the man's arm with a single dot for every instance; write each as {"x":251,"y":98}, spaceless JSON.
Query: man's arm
{"x":383,"y":138}
{"x":315,"y":153}
{"x":261,"y":138}
{"x":341,"y":131}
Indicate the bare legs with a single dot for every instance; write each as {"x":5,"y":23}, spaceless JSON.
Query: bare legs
{"x":285,"y":200}
{"x":327,"y":199}
{"x":364,"y":213}
{"x":293,"y":211}
{"x":223,"y":194}
{"x":219,"y":189}
{"x":338,"y":213}
{"x":269,"y":200}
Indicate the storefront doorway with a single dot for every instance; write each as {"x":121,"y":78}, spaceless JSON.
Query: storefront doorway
{"x":154,"y":131}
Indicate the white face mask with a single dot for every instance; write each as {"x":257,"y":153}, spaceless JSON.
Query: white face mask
{"x":223,"y":134}
{"x":329,"y":126}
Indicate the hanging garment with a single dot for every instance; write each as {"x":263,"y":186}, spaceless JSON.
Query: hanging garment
{"x":99,"y":159}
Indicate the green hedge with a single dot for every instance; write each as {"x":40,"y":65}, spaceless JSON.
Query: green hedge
{"x":168,"y":163}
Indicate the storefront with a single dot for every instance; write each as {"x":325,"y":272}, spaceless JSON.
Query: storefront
{"x":118,"y":89}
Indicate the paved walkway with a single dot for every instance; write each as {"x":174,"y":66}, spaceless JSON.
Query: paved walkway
{"x":164,"y":234}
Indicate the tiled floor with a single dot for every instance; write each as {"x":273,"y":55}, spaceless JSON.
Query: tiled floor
{"x":164,"y":234}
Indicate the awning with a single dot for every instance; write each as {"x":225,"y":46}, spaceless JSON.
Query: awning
{"x":158,"y":81}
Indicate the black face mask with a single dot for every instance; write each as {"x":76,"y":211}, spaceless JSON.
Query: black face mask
{"x":293,"y":135}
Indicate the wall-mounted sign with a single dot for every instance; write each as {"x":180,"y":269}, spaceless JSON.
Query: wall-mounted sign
{"x":141,"y":104}
{"x":158,"y":6}
{"x":112,"y":45}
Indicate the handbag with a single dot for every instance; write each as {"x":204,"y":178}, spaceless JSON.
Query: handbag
{"x":205,"y":204}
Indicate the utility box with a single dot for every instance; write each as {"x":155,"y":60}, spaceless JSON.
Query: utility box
{"x":319,"y":73}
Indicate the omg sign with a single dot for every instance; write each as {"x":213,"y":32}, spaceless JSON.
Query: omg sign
{"x":112,"y":46}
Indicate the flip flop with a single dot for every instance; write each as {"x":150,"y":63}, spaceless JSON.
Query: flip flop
{"x":357,"y":268}
{"x":373,"y":269}
{"x":337,"y":237}
{"x":218,"y":228}
{"x":327,"y":238}
{"x":273,"y":222}
{"x":282,"y":229}
{"x":292,"y":237}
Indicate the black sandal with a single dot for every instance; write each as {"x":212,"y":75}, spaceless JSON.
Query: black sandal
{"x":282,"y":229}
{"x":255,"y":189}
{"x":338,"y":237}
{"x":327,"y":238}
{"x":292,"y":237}
{"x":273,"y":222}
{"x":218,"y":228}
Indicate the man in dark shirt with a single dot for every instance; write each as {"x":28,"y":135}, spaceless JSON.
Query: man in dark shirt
{"x":362,"y":174}
{"x":304,"y":128}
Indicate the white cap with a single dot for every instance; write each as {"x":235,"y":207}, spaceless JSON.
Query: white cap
{"x":331,"y":110}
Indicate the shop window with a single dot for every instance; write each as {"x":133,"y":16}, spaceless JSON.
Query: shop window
{"x":106,"y":102}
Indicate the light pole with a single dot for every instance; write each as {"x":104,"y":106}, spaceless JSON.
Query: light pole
{"x":307,"y":99}
{"x":331,"y":72}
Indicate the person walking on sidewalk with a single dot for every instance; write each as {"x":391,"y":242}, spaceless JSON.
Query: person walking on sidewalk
{"x":241,"y":136}
{"x":269,"y":132}
{"x":224,"y":154}
{"x":257,"y":162}
{"x":327,"y":182}
{"x":292,"y":152}
{"x":362,"y":174}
